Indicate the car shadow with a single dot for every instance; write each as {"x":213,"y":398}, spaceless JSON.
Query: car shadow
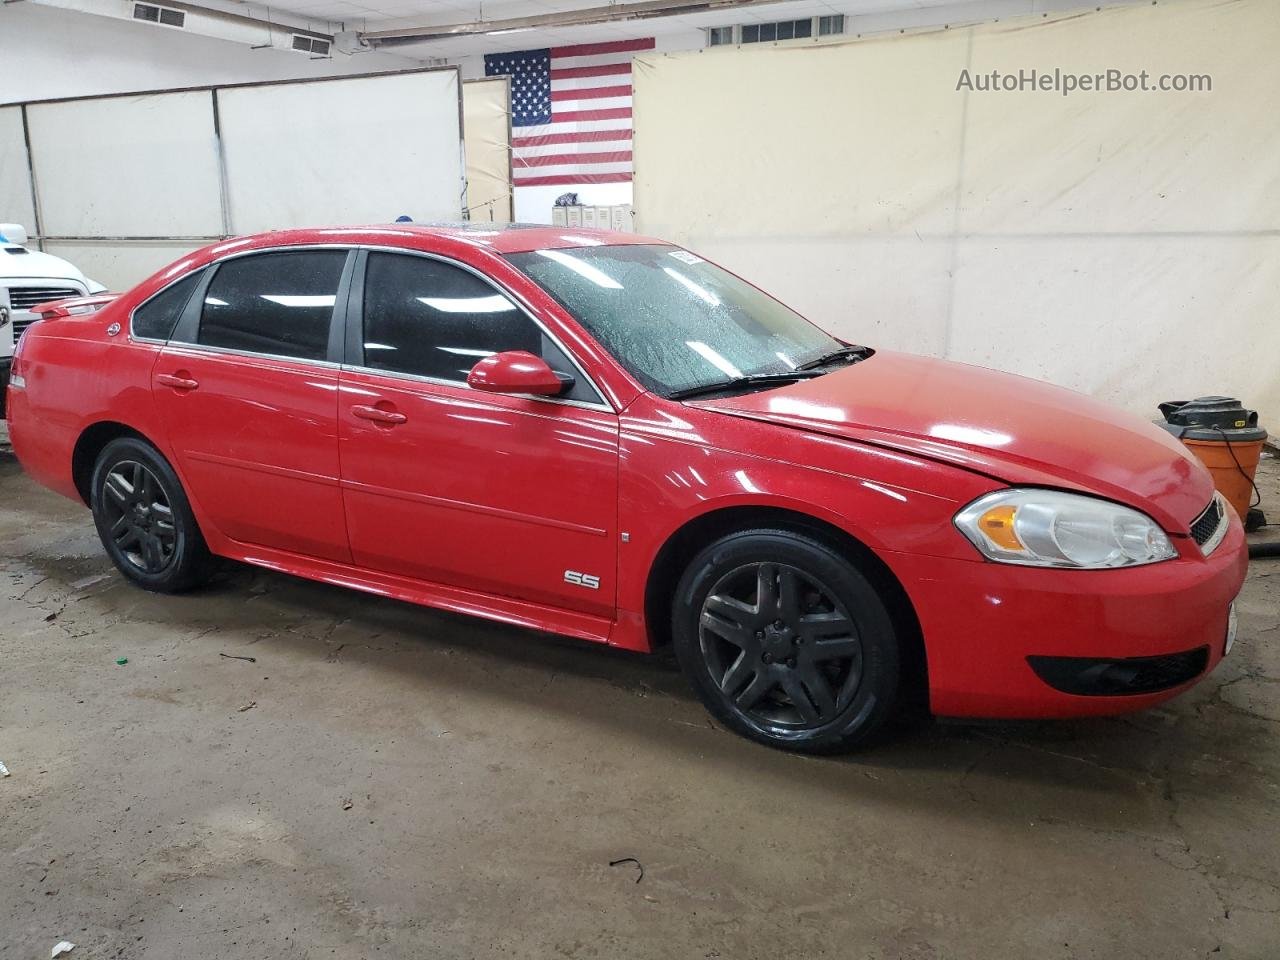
{"x":1098,"y":766}
{"x":1120,"y":773}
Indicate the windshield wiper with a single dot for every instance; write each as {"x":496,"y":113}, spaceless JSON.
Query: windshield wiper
{"x":741,"y":383}
{"x":852,"y":352}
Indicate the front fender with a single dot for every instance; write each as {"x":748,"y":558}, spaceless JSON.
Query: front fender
{"x":681,"y":464}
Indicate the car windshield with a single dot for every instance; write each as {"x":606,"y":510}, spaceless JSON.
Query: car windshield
{"x":673,"y":320}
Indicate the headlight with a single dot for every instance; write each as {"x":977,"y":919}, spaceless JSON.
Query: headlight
{"x":1047,"y":528}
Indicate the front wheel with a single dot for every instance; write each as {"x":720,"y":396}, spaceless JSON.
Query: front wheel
{"x":786,"y":642}
{"x":144,"y":519}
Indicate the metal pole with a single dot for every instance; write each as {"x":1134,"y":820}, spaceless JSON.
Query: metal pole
{"x":224,"y":198}
{"x":31,"y":178}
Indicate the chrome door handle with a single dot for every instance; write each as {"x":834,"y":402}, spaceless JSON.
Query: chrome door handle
{"x":178,"y":383}
{"x":377,"y":415}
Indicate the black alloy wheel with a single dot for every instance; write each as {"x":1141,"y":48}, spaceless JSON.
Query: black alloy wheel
{"x":780,"y":645}
{"x":144,"y":519}
{"x":786,"y":642}
{"x":138,"y":516}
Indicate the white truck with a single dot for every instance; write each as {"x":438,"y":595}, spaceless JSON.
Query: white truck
{"x":29,"y":277}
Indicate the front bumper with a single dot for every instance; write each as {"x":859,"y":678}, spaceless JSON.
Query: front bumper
{"x":982,"y":621}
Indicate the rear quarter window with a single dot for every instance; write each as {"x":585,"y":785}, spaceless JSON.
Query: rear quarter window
{"x":156,"y":318}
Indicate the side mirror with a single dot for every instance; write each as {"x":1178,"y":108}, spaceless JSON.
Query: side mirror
{"x":517,"y":371}
{"x":14,"y":233}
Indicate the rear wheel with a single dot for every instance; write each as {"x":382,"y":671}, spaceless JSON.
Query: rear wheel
{"x":786,"y":642}
{"x":144,"y":519}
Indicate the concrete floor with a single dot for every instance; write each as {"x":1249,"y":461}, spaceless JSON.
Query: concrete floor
{"x":389,"y":781}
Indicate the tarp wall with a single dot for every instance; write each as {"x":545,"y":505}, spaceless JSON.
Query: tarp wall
{"x":15,"y":175}
{"x":143,"y":166}
{"x":138,"y":185}
{"x":486,"y":111}
{"x":358,"y":150}
{"x":1125,"y":244}
{"x":147,"y":177}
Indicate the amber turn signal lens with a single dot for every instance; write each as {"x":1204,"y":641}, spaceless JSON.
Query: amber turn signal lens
{"x":997,"y":524}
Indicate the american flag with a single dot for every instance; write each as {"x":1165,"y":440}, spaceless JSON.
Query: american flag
{"x":570,"y":112}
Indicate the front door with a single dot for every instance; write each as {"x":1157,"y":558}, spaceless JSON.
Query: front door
{"x":248,"y":394}
{"x":506,"y":495}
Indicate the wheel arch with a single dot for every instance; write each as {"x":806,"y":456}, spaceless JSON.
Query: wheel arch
{"x":680,"y":547}
{"x":90,"y":444}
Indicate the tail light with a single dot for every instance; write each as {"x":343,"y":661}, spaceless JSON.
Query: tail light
{"x":16,"y":378}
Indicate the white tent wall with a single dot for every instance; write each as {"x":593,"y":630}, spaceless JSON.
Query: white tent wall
{"x":342,"y":151}
{"x":15,"y":171}
{"x":118,"y":266}
{"x":1123,"y":244}
{"x":486,"y":112}
{"x":119,"y":215}
{"x":117,"y":188}
{"x":51,"y":53}
{"x":99,"y":194}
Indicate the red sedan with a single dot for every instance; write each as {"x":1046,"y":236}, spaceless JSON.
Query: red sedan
{"x":606,"y":436}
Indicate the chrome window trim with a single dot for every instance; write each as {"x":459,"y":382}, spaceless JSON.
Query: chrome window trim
{"x":521,"y":304}
{"x":283,"y":248}
{"x":214,"y":265}
{"x":230,"y":352}
{"x":463,"y":385}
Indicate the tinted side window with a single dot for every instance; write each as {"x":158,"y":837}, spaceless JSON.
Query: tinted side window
{"x":157,"y":317}
{"x":432,"y":319}
{"x":276,"y":303}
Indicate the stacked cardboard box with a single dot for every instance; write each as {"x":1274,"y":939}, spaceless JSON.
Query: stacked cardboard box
{"x":616,"y":217}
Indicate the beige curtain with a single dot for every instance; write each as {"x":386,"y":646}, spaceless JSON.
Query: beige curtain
{"x":486,"y":109}
{"x":1126,"y":244}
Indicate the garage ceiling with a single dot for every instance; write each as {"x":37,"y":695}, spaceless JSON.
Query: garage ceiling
{"x":379,"y":15}
{"x":383,"y":12}
{"x":518,"y":24}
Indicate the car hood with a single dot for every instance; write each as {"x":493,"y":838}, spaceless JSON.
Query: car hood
{"x":34,"y":265}
{"x":1013,"y":429}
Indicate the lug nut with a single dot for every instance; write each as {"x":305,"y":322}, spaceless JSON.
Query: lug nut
{"x":791,"y":661}
{"x":767,"y":658}
{"x":759,"y":634}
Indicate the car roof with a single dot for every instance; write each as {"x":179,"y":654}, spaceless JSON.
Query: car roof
{"x":500,"y":238}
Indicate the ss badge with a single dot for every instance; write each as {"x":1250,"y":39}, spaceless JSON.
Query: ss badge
{"x":588,"y":580}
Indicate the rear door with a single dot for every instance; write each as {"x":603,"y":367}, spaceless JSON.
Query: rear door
{"x":508,"y":495}
{"x":247,"y":388}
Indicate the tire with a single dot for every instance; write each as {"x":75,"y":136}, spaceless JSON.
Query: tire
{"x":825,"y":680}
{"x":144,"y":519}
